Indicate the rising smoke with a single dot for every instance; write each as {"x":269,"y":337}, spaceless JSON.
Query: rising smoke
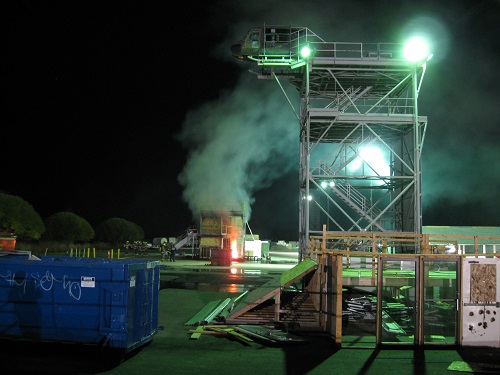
{"x":237,"y":145}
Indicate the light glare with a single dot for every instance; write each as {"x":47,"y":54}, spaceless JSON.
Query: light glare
{"x":416,"y":49}
{"x":305,"y":52}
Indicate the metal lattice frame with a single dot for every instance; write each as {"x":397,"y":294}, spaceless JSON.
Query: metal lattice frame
{"x":354,"y":97}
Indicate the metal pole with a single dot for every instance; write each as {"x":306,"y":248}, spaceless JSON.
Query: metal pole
{"x":417,"y":157}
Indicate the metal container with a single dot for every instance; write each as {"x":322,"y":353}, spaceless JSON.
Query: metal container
{"x":220,"y":257}
{"x":107,"y":302}
{"x":7,"y":243}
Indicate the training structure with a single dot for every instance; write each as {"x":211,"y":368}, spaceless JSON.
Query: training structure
{"x":361,"y":135}
{"x":222,"y":233}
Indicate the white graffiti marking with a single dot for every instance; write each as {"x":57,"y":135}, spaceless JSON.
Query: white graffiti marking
{"x":45,"y":283}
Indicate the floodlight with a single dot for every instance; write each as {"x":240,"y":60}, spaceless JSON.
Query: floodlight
{"x":305,"y":52}
{"x":416,"y":49}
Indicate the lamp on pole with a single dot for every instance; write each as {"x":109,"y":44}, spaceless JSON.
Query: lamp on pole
{"x":417,"y":52}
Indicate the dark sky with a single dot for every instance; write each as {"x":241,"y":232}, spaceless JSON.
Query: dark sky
{"x":137,"y":109}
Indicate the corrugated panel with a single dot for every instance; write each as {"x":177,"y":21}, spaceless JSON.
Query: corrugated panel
{"x":301,"y":269}
{"x":213,"y":310}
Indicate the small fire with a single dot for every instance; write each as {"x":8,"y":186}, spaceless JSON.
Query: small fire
{"x":234,"y":249}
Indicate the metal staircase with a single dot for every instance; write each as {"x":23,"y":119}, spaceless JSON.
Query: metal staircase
{"x":359,"y":203}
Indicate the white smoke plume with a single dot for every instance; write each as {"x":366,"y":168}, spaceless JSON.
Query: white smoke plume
{"x":238,"y":144}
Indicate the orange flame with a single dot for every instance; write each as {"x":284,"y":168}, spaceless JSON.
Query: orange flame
{"x":234,"y":249}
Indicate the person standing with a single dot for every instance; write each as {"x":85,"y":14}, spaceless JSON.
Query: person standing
{"x":163,"y":250}
{"x":172,"y":254}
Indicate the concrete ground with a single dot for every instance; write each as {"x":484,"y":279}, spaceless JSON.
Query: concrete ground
{"x":172,"y":351}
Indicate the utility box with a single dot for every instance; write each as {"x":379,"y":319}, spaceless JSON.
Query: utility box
{"x":107,"y":302}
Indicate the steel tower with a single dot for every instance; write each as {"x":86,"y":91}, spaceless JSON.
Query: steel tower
{"x":361,"y":135}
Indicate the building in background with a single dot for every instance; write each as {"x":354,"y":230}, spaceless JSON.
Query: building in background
{"x":222,"y":230}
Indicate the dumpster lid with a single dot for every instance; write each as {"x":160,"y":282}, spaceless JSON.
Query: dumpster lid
{"x":19,"y":253}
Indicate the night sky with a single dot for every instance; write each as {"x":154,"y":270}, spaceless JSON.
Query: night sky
{"x":137,"y":109}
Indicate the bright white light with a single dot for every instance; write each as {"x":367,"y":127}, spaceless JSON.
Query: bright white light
{"x":356,"y":164}
{"x":416,"y":49}
{"x":305,"y":52}
{"x":450,"y":249}
{"x":370,"y":153}
{"x":324,"y":184}
{"x":373,"y":157}
{"x":309,"y":197}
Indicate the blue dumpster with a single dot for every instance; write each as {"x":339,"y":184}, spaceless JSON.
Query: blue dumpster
{"x":107,"y":302}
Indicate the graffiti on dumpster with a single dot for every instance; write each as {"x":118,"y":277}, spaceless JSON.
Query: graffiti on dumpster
{"x":44,"y":283}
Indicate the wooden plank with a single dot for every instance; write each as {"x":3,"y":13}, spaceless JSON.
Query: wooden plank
{"x":207,"y":332}
{"x":197,"y":333}
{"x":238,"y":336}
{"x":209,"y":326}
{"x":221,"y":331}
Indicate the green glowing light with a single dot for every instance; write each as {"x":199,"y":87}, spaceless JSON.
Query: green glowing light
{"x":416,"y":49}
{"x":305,"y":52}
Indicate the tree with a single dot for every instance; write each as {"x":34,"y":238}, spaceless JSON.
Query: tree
{"x":18,"y":215}
{"x":117,"y":231}
{"x":68,"y":227}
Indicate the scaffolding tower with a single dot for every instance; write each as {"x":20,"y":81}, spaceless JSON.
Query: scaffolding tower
{"x":361,"y":135}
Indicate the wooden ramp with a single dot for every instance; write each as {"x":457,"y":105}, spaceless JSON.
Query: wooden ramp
{"x":267,"y":303}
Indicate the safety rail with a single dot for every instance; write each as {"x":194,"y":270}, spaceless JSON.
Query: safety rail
{"x":283,"y":48}
{"x":371,"y":51}
{"x":362,"y":243}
